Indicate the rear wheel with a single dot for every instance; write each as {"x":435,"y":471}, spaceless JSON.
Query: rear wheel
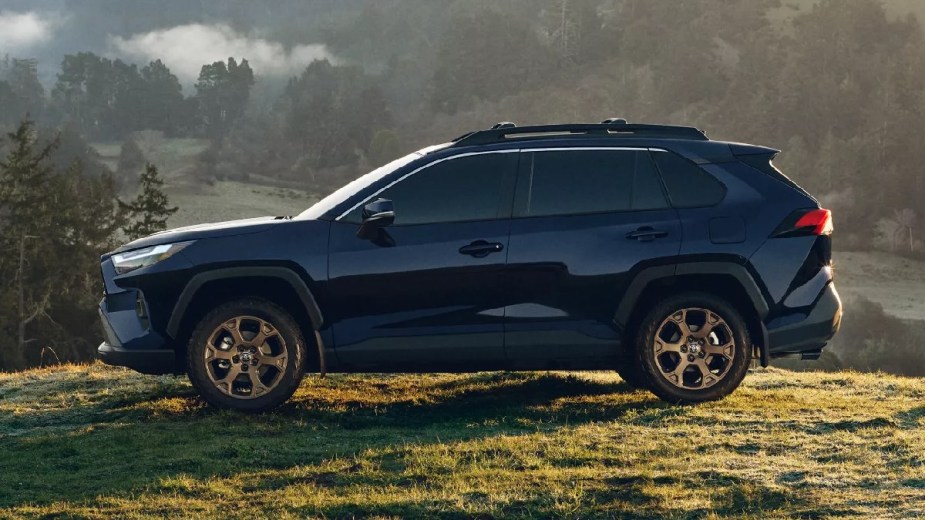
{"x":693,"y":347}
{"x":246,"y":355}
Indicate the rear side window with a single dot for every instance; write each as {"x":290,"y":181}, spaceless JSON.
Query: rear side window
{"x":688,"y":185}
{"x":570,"y":182}
{"x":455,"y":190}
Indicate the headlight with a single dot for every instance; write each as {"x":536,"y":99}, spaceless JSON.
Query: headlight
{"x":131,"y":260}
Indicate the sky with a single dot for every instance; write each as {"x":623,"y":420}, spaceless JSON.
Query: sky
{"x":47,"y":30}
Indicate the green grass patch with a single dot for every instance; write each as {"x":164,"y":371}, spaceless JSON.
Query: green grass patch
{"x":94,"y":441}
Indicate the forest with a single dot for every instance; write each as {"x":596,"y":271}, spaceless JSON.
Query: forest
{"x":838,"y":86}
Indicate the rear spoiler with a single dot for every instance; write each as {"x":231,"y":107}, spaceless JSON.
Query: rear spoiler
{"x":741,"y":149}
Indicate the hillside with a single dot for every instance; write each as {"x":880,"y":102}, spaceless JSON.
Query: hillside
{"x":93,"y":441}
{"x":895,"y":282}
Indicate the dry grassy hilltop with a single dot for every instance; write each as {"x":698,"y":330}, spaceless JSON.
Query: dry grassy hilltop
{"x":93,"y":441}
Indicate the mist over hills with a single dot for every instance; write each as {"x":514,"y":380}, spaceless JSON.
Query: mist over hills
{"x":240,"y":103}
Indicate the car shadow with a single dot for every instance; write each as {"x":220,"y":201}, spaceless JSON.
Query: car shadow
{"x":121,"y":444}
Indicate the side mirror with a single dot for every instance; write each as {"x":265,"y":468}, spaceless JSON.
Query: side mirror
{"x":379,"y":213}
{"x":376,"y":215}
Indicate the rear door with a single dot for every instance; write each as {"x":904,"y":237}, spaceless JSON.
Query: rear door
{"x":585,"y":221}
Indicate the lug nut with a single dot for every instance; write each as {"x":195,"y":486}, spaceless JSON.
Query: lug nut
{"x":244,"y":367}
{"x":683,"y":348}
{"x":690,"y":358}
{"x":701,"y":354}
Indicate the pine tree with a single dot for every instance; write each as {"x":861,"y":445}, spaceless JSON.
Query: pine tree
{"x":149,"y":212}
{"x":26,"y":219}
{"x":131,"y":159}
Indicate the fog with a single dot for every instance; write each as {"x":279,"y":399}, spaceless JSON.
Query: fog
{"x":249,"y":109}
{"x":186,"y":47}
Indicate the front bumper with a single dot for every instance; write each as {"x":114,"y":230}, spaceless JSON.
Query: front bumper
{"x":154,"y":361}
{"x":129,"y":340}
{"x":806,"y":334}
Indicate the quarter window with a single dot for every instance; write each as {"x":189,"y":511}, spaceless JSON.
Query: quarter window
{"x":578,"y":181}
{"x":688,"y":185}
{"x":454,"y":190}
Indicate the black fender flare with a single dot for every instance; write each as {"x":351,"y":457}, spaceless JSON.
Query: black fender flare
{"x":740,"y":272}
{"x":282,"y":273}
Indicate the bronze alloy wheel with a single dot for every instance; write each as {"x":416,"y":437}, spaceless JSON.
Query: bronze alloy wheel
{"x":245,"y":357}
{"x":693,"y":348}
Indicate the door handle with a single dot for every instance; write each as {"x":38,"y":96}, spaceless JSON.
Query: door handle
{"x":481,"y":248}
{"x":646,"y":234}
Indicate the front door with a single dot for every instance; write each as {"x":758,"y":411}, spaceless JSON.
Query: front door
{"x":427,"y":289}
{"x":585,"y":221}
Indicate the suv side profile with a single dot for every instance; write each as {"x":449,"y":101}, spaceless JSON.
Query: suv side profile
{"x":650,"y":250}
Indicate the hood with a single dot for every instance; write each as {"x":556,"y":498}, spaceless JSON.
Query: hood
{"x":201,"y":231}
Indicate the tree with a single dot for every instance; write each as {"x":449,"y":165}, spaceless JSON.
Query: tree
{"x":222,"y":92}
{"x":905,"y":218}
{"x":24,"y":92}
{"x":26,"y":220}
{"x":149,"y":212}
{"x":131,"y":159}
{"x":384,"y":147}
{"x":54,"y":224}
{"x":161,"y":98}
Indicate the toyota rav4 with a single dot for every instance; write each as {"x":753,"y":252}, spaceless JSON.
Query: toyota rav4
{"x":650,"y":250}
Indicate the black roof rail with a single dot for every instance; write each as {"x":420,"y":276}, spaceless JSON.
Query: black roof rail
{"x":609,"y":128}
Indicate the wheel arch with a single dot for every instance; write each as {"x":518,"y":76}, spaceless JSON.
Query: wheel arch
{"x":280,"y":285}
{"x":730,"y":281}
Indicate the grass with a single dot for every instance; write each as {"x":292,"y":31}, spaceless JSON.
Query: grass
{"x":93,"y":441}
{"x":230,"y":200}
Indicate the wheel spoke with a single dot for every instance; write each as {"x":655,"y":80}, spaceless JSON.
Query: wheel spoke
{"x":726,"y":350}
{"x":233,"y":326}
{"x":665,"y":346}
{"x":677,"y":375}
{"x":680,"y":319}
{"x":257,"y":386}
{"x":713,"y":321}
{"x":704,"y":371}
{"x":225,"y":383}
{"x":213,"y":353}
{"x":274,"y":361}
{"x":266,"y":332}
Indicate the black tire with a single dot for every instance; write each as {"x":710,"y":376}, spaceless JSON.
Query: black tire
{"x":284,"y":342}
{"x":722,"y":375}
{"x":630,"y":373}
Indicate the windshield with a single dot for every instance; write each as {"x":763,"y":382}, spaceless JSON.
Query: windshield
{"x":348,"y":190}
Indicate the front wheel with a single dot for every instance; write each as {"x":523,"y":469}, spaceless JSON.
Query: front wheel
{"x":693,"y":347}
{"x":246,"y":355}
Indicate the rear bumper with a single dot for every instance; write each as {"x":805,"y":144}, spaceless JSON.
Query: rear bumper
{"x":806,"y":334}
{"x":157,"y":361}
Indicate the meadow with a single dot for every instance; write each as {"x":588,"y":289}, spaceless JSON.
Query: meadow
{"x":94,"y":441}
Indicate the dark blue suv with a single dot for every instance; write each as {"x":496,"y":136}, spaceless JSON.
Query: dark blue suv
{"x":650,"y":250}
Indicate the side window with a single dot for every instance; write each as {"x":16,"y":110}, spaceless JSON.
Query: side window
{"x":454,"y":190}
{"x":570,"y":182}
{"x":688,"y":185}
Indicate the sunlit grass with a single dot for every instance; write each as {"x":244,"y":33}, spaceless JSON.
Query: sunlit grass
{"x":96,"y":441}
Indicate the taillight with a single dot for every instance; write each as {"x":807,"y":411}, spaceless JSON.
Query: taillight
{"x":819,"y":221}
{"x":806,"y":222}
